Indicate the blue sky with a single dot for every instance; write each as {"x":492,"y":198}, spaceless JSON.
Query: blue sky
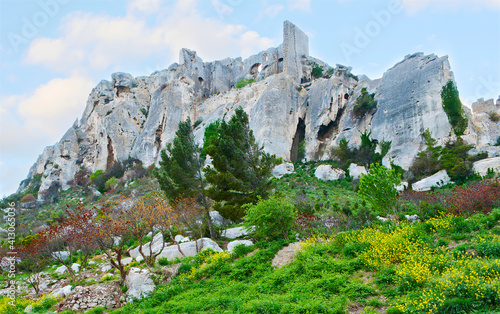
{"x":54,"y":51}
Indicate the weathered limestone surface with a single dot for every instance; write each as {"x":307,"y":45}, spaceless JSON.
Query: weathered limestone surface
{"x":139,"y":283}
{"x":137,"y":116}
{"x":438,"y":179}
{"x":481,"y":166}
{"x":356,"y":171}
{"x":409,"y":102}
{"x":328,"y":173}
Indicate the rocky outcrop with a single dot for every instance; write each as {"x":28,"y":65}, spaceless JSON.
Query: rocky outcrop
{"x":137,"y":116}
{"x":485,"y":120}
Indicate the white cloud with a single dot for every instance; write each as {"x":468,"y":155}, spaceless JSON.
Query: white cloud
{"x":270,"y":11}
{"x":301,"y":5}
{"x":412,"y":6}
{"x":97,"y":42}
{"x":146,"y":6}
{"x":54,"y":104}
{"x":30,"y":122}
{"x":221,"y":8}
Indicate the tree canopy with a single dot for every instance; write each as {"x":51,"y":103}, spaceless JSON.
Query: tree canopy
{"x":241,"y":169}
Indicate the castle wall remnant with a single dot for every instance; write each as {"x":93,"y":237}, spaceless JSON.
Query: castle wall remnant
{"x":295,"y":49}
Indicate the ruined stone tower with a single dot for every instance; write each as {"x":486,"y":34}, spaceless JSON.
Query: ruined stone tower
{"x":295,"y":49}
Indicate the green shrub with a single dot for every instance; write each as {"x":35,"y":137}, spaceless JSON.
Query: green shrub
{"x":453,"y":108}
{"x":242,"y":250}
{"x":378,"y":188}
{"x":99,"y":180}
{"x":163,"y":261}
{"x":494,"y":117}
{"x":364,"y":103}
{"x":111,"y":183}
{"x":428,"y":161}
{"x":272,"y":218}
{"x":317,"y":71}
{"x":244,"y":82}
{"x":457,"y":305}
{"x":301,"y":154}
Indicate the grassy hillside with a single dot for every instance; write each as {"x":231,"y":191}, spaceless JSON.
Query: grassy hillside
{"x":403,"y":268}
{"x":349,"y":262}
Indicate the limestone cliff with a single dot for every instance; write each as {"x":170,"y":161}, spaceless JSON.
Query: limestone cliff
{"x":136,"y":116}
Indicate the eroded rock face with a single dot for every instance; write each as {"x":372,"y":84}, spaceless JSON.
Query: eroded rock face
{"x":409,"y":102}
{"x":137,"y":116}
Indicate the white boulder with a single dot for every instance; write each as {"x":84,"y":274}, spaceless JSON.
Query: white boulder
{"x":139,"y":283}
{"x":236,"y":232}
{"x":75,"y":267}
{"x":217,"y":219}
{"x":328,"y":173}
{"x":106,"y":268}
{"x":356,"y":171}
{"x":481,"y":166}
{"x":60,"y":255}
{"x":126,"y":261}
{"x":61,"y":270}
{"x":189,"y":248}
{"x":231,"y":245}
{"x":282,"y":169}
{"x":436,"y":180}
{"x":62,"y":292}
{"x":156,"y":246}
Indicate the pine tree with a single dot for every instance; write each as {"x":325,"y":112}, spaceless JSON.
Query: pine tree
{"x":180,"y":171}
{"x":453,"y":108}
{"x":241,"y":169}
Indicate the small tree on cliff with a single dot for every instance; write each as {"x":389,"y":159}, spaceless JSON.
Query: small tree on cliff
{"x":453,"y":108}
{"x":241,"y":169}
{"x":180,"y":172}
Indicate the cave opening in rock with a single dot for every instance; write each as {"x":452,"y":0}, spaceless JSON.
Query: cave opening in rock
{"x":255,"y":69}
{"x":326,"y":132}
{"x":122,"y":89}
{"x":111,"y":154}
{"x":300,"y":135}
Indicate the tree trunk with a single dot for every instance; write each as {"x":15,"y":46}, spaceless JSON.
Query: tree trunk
{"x":177,"y":243}
{"x":210,"y":225}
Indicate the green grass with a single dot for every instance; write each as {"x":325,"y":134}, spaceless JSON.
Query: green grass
{"x":327,"y":277}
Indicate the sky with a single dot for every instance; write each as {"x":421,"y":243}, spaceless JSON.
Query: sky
{"x":53,"y":52}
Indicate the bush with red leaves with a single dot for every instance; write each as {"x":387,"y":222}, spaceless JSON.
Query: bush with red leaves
{"x":480,"y":196}
{"x":305,"y":223}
